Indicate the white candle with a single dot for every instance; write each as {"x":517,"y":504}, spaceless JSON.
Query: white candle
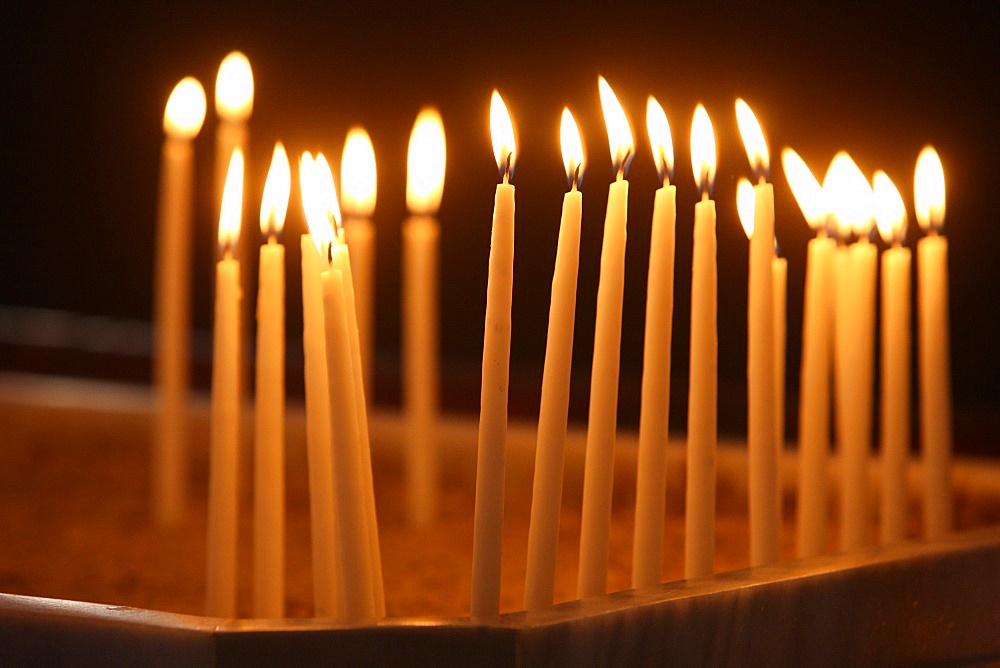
{"x":359,"y":188}
{"x":779,"y":288}
{"x":933,"y":344}
{"x":814,"y":392}
{"x":224,"y":426}
{"x":651,"y":476}
{"x":890,"y":215}
{"x":490,"y":464}
{"x":421,"y":360}
{"x":182,"y":120}
{"x":603,"y":413}
{"x":546,"y":495}
{"x":269,"y":413}
{"x":699,"y":517}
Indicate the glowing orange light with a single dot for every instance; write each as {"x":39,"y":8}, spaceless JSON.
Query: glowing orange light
{"x":502,"y":134}
{"x":185,"y":111}
{"x":358,"y":183}
{"x":425,"y":163}
{"x":746,"y":200}
{"x":703,"y":151}
{"x":619,"y":131}
{"x":572,"y":148}
{"x":234,"y":88}
{"x":806,"y":189}
{"x":232,"y":204}
{"x":928,"y":190}
{"x":660,"y":140}
{"x":277,"y":187}
{"x":753,"y":140}
{"x":890,"y":212}
{"x":850,"y":197}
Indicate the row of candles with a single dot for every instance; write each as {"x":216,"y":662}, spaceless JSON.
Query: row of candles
{"x":840,"y":303}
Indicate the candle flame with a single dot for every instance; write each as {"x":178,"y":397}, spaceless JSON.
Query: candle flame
{"x":703,"y":151}
{"x":660,"y":140}
{"x":753,"y":140}
{"x":277,"y":187}
{"x":928,"y":190}
{"x":572,"y":149}
{"x":746,"y":200}
{"x":619,"y":131}
{"x":425,"y":161}
{"x":232,"y":204}
{"x":234,"y":88}
{"x":185,"y":112}
{"x":850,"y":197}
{"x":806,"y":189}
{"x":890,"y":212}
{"x":502,"y":133}
{"x":358,"y":185}
{"x":317,"y":214}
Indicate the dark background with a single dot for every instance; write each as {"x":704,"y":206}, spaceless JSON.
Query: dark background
{"x":84,"y":90}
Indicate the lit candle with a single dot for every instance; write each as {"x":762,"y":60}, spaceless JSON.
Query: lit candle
{"x":490,"y":464}
{"x":269,"y":413}
{"x":814,"y":393}
{"x":421,"y":363}
{"x":224,"y":425}
{"x":182,"y":120}
{"x":762,"y":445}
{"x":358,"y":189}
{"x":699,"y":517}
{"x":603,"y":413}
{"x":546,"y":496}
{"x":651,"y":477}
{"x":890,"y":215}
{"x":933,"y":344}
{"x":850,"y":197}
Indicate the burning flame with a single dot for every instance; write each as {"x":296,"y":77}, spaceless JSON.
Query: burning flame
{"x":232,"y":204}
{"x":425,"y":162}
{"x":234,"y":88}
{"x":746,"y":200}
{"x":357,"y":174}
{"x":890,"y":212}
{"x":753,"y":140}
{"x":502,"y":133}
{"x":703,"y":152}
{"x":185,"y":112}
{"x":318,"y":213}
{"x":660,"y":140}
{"x":619,"y":131}
{"x":928,"y":190}
{"x":572,"y":149}
{"x":850,"y":197}
{"x":806,"y":189}
{"x":277,"y":187}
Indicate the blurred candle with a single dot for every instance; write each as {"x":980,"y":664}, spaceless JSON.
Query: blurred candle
{"x":699,"y":516}
{"x":814,"y":396}
{"x":358,"y":189}
{"x":224,"y":425}
{"x":421,"y":357}
{"x":933,"y":344}
{"x":603,"y":413}
{"x":779,"y":288}
{"x":651,"y":475}
{"x":546,"y":496}
{"x":890,"y":216}
{"x":490,"y":465}
{"x":182,"y":120}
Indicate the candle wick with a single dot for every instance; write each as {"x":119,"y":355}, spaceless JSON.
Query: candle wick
{"x":329,"y":254}
{"x":704,"y":195}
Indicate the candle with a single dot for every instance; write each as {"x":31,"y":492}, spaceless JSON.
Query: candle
{"x":779,"y":288}
{"x":890,"y":216}
{"x":933,"y":344}
{"x":182,"y":120}
{"x":269,"y":413}
{"x":603,"y":413}
{"x":814,"y":392}
{"x":358,"y":188}
{"x":490,"y":464}
{"x":546,"y":495}
{"x":421,"y":363}
{"x":762,"y":445}
{"x":851,"y":199}
{"x":699,"y":517}
{"x":651,"y":477}
{"x":224,"y":425}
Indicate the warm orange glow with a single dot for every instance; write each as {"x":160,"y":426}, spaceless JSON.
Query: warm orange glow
{"x":890,"y":212}
{"x":277,"y":187}
{"x":232,"y":204}
{"x":185,"y":112}
{"x":806,"y":189}
{"x":619,"y":131}
{"x":660,"y":140}
{"x":850,"y":197}
{"x":746,"y":200}
{"x":703,"y":152}
{"x":753,"y":140}
{"x":928,"y":190}
{"x":357,"y":174}
{"x":502,"y":133}
{"x":312,"y":203}
{"x":234,"y":88}
{"x":572,"y":149}
{"x":425,"y":162}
